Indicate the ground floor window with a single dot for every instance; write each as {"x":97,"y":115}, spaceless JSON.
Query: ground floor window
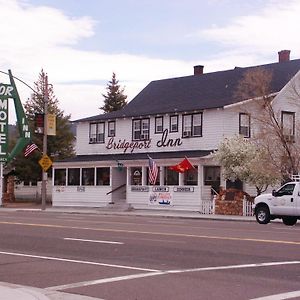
{"x":74,"y":176}
{"x":212,"y":177}
{"x":171,"y":177}
{"x":191,"y":177}
{"x":136,"y":176}
{"x":88,"y":176}
{"x":102,"y":176}
{"x":60,"y":177}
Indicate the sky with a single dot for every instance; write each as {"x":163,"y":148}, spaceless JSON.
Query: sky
{"x":79,"y":44}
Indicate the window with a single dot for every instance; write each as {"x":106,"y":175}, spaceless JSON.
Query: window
{"x":136,"y":176}
{"x":173,"y":123}
{"x":288,"y":125}
{"x":244,"y":125}
{"x":140,"y":129}
{"x":192,"y":125}
{"x":171,"y":177}
{"x":97,"y":133}
{"x":60,"y":177}
{"x":212,"y":177}
{"x":88,"y":176}
{"x":287,"y":189}
{"x":111,"y":128}
{"x":191,"y":177}
{"x":74,"y":176}
{"x":159,"y":124}
{"x":102,"y":176}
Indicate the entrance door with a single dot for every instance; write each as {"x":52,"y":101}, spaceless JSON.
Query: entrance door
{"x":119,"y":181}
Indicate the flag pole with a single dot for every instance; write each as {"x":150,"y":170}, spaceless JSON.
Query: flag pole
{"x":44,"y":173}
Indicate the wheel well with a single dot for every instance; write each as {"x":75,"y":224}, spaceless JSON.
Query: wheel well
{"x":259,"y":205}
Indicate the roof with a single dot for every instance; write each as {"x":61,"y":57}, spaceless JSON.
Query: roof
{"x":196,"y":92}
{"x":136,"y":156}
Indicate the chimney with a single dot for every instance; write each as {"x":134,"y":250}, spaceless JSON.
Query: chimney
{"x":198,"y":70}
{"x":284,"y":55}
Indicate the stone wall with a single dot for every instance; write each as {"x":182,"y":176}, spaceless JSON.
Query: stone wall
{"x":230,"y":202}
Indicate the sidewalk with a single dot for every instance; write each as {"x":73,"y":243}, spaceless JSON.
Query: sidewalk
{"x":12,"y":292}
{"x":131,"y":212}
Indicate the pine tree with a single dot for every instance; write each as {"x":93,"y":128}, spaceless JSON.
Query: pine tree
{"x":114,"y":99}
{"x":59,"y":146}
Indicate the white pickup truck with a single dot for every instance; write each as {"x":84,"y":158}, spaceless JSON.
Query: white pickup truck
{"x":283,"y":203}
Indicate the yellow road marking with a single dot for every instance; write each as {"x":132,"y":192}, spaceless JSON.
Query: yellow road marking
{"x":155,"y":233}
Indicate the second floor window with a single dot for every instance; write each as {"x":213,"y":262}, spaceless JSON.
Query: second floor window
{"x":159,"y":124}
{"x":288,"y":124}
{"x":97,"y":133}
{"x":192,"y":125}
{"x":111,"y":128}
{"x":173,"y":123}
{"x":244,"y":125}
{"x":140,"y":129}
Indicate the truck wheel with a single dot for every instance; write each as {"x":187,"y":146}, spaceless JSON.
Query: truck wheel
{"x":289,"y":221}
{"x":262,"y":215}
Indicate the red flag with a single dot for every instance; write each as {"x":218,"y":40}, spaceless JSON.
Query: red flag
{"x":182,"y":166}
{"x":30,"y":148}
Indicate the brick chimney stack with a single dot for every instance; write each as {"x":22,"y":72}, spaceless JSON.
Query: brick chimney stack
{"x":284,"y":55}
{"x":198,"y":70}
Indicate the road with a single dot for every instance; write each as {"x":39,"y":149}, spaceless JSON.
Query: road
{"x":143,"y":258}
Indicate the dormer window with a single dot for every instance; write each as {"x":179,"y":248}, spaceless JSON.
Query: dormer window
{"x":244,"y":125}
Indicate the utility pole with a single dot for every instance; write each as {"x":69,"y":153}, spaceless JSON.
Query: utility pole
{"x":44,"y":173}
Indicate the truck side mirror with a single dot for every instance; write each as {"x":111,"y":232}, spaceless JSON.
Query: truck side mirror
{"x":274,"y":194}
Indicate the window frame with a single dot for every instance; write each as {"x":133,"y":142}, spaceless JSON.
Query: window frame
{"x":141,"y":132}
{"x":177,"y":122}
{"x":94,"y":138}
{"x":288,"y":113}
{"x":109,"y":129}
{"x":156,"y":124}
{"x":241,"y":126}
{"x":191,"y":125}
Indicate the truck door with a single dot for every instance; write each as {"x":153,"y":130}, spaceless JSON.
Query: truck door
{"x":285,"y":200}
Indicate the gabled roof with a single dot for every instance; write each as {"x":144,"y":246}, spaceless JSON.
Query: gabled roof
{"x":196,"y":92}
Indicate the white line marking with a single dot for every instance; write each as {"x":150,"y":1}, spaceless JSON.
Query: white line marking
{"x":94,"y":241}
{"x":288,"y":295}
{"x":77,"y":261}
{"x":156,"y":273}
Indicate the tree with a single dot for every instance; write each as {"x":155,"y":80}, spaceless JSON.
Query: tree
{"x":269,"y":132}
{"x":59,"y":146}
{"x":115,"y":98}
{"x":245,"y":160}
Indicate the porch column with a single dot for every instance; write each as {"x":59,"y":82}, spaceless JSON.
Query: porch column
{"x":144,"y":175}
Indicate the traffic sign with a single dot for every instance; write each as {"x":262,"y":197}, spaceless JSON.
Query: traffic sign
{"x":45,"y":162}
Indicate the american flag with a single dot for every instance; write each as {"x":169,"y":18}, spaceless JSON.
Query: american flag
{"x":153,"y":171}
{"x":30,"y":148}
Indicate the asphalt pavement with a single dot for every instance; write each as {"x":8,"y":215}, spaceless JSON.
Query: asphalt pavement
{"x":10,"y":291}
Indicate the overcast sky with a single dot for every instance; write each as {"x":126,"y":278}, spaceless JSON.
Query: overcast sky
{"x":80,"y":43}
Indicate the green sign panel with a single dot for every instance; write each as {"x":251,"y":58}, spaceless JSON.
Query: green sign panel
{"x":10,"y":91}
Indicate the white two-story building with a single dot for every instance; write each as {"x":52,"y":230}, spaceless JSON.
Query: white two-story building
{"x":168,"y":120}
